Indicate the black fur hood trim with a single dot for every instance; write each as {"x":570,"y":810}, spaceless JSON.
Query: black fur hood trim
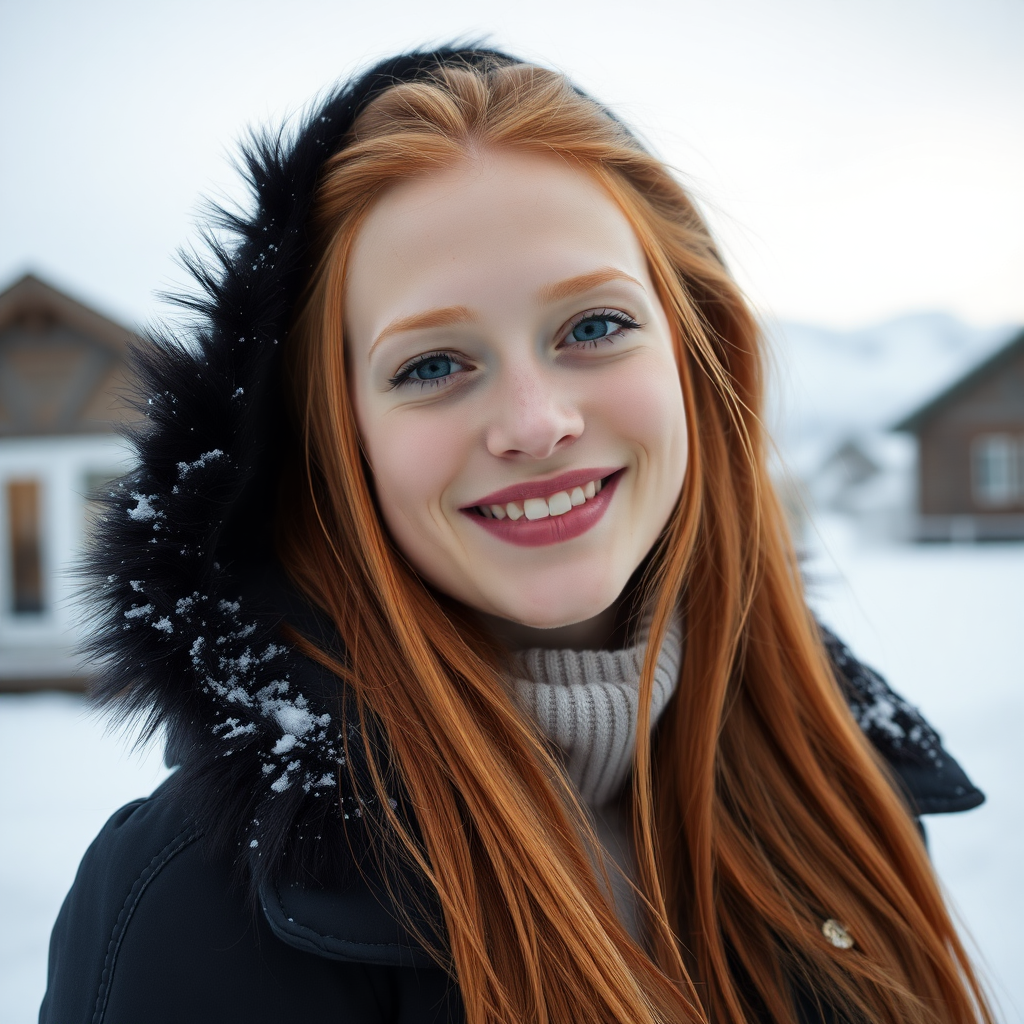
{"x":183,"y":591}
{"x":182,"y":585}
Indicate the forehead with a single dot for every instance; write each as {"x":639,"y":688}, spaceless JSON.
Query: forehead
{"x":497,"y":227}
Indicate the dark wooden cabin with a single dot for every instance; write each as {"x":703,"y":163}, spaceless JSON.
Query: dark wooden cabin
{"x":971,"y":453}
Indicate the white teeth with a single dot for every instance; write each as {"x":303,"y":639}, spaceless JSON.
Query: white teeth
{"x":536,"y":508}
{"x":559,"y":504}
{"x":556,"y":504}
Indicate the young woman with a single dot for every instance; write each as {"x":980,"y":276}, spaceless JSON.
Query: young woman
{"x":454,"y":574}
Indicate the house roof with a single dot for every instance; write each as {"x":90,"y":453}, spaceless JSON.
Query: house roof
{"x":986,"y":368}
{"x":32,"y":294}
{"x":62,"y":364}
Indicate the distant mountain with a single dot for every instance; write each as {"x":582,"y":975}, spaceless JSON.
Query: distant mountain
{"x":827,"y":386}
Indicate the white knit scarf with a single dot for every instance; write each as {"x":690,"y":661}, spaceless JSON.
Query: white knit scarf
{"x":586,"y":704}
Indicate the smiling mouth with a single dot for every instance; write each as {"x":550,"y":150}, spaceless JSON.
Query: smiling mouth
{"x":559,"y":503}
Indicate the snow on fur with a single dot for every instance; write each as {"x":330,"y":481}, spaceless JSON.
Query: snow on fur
{"x":891,"y":723}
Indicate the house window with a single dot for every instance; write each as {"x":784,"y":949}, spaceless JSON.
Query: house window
{"x":998,"y":470}
{"x":24,"y":517}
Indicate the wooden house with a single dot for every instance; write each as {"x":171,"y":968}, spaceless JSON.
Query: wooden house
{"x":61,"y":368}
{"x":971,"y":453}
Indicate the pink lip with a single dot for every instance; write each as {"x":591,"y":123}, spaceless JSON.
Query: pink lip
{"x":554,"y":529}
{"x":542,"y":488}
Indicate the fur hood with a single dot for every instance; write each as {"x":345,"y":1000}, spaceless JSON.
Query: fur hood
{"x":182,"y":577}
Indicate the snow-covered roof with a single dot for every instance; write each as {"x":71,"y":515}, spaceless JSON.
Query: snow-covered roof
{"x":982,"y":371}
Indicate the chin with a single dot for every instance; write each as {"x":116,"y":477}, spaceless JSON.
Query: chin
{"x":552,"y":614}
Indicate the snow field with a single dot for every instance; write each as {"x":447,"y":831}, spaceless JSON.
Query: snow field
{"x":945,"y":625}
{"x":63,"y":775}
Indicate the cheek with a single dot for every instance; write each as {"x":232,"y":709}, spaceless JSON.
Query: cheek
{"x":646,"y":407}
{"x":414,"y":459}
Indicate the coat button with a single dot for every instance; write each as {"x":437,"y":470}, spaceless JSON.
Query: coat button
{"x":837,"y":934}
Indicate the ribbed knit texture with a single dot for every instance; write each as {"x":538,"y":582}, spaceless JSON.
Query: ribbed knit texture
{"x":586,"y":703}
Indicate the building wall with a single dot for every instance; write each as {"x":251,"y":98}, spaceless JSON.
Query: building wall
{"x":37,"y":645}
{"x":62,"y":369}
{"x":951,"y":442}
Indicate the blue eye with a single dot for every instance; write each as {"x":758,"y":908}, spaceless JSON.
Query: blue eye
{"x":433,"y":369}
{"x":592,"y":329}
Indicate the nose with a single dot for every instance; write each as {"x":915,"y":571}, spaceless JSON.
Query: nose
{"x":532,"y":416}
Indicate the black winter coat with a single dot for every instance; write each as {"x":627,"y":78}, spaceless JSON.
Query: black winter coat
{"x":240,"y":891}
{"x":158,"y":927}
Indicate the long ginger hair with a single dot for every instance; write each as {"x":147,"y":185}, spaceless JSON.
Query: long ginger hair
{"x":759,"y":809}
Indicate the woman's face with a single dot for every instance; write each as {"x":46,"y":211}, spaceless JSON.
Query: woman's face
{"x":515,"y":387}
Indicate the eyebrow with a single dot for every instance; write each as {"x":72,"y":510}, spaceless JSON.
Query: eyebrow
{"x":584,"y":283}
{"x":444,"y":316}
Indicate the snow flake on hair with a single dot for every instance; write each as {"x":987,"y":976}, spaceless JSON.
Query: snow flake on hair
{"x":185,"y":468}
{"x":145,"y":510}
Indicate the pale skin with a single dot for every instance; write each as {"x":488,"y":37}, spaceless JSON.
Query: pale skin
{"x":467,"y":296}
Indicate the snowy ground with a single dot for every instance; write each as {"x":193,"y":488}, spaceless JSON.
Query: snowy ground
{"x":63,"y":775}
{"x":944,"y":623}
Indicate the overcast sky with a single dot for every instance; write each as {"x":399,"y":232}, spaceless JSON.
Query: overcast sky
{"x":858,"y":158}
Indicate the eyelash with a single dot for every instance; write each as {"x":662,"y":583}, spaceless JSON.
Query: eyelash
{"x":403,"y":375}
{"x":624,"y":320}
